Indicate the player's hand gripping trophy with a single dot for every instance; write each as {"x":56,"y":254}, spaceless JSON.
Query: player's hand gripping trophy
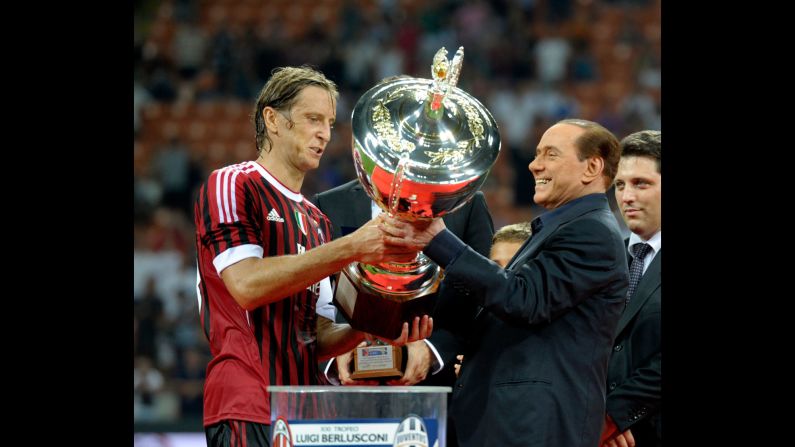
{"x":421,"y":148}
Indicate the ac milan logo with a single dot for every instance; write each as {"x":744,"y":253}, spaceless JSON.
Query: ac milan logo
{"x":299,"y":219}
{"x":281,"y":434}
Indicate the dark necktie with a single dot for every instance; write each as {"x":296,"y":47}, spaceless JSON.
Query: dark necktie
{"x":639,"y":251}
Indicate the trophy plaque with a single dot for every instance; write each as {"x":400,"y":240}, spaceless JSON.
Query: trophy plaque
{"x":378,"y":360}
{"x":421,"y":148}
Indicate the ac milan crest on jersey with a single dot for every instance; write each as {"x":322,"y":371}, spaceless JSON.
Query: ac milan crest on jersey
{"x":281,"y":434}
{"x":301,"y":220}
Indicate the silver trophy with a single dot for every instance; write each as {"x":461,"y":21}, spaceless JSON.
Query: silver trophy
{"x":421,"y":148}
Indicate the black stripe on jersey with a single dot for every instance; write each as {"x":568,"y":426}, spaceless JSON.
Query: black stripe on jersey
{"x":311,"y":242}
{"x":267,"y":197}
{"x":271,"y":350}
{"x":226,"y":233}
{"x":204,"y":319}
{"x":256,"y":315}
{"x":273,"y":230}
{"x":205,"y":308}
{"x":240,"y":229}
{"x":322,"y":225}
{"x":207,"y":218}
{"x":280,"y":244}
{"x":288,"y":237}
{"x":287,"y":329}
{"x":296,"y":300}
{"x":249,"y":209}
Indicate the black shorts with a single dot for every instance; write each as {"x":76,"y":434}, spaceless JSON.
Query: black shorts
{"x":238,"y":433}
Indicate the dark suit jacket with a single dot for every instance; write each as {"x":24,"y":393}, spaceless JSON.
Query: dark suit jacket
{"x":634,"y":377}
{"x":535,"y":359}
{"x":348,"y":208}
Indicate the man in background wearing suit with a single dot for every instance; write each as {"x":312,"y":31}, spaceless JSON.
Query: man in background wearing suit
{"x":634,"y":378}
{"x":535,"y":355}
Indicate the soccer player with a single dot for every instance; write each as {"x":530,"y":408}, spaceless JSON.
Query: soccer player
{"x":263,"y":256}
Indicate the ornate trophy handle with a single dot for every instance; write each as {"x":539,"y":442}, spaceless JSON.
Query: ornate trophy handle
{"x":397,"y":183}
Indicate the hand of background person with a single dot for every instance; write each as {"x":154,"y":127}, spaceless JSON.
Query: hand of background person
{"x":417,"y":365}
{"x":421,"y":328}
{"x":609,"y":429}
{"x":611,"y":437}
{"x":344,"y":367}
{"x":457,"y":366}
{"x":621,"y":440}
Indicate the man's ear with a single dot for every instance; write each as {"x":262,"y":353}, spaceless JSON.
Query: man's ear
{"x":269,"y":115}
{"x":593,"y":169}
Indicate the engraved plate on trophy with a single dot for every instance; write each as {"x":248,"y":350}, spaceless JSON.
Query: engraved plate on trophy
{"x":378,"y":360}
{"x":421,"y":148}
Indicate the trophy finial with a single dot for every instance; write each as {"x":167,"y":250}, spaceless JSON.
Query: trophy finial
{"x":440,"y":65}
{"x":455,"y":68}
{"x":445,"y":76}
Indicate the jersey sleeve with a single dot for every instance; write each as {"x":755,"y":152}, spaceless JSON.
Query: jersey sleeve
{"x":230,"y":219}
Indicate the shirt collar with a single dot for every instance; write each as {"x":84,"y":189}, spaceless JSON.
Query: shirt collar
{"x":552,"y":216}
{"x":655,"y":242}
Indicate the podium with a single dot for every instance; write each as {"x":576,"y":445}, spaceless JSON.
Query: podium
{"x":395,"y":416}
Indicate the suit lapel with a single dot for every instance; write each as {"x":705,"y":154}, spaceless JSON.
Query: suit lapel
{"x":649,"y":282}
{"x":531,"y":245}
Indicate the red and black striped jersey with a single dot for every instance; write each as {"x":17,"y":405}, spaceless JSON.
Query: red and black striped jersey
{"x":243,"y":211}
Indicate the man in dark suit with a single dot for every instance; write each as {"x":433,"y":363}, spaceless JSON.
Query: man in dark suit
{"x":535,"y":355}
{"x":634,"y":377}
{"x":349,"y":207}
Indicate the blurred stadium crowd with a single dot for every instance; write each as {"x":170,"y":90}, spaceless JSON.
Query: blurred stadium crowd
{"x":199,"y":65}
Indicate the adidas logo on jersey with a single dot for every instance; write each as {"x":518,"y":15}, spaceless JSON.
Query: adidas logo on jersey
{"x":274,"y":216}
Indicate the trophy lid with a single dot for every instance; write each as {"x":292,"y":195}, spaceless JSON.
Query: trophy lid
{"x":422,"y":147}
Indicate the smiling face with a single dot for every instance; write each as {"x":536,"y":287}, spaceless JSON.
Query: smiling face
{"x":304,"y":131}
{"x":639,"y":195}
{"x":557,"y":169}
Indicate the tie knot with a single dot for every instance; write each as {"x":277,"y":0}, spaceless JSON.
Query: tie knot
{"x":639,"y":251}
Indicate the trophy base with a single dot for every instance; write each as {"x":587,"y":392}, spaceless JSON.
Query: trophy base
{"x":378,"y":361}
{"x":371,"y":312}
